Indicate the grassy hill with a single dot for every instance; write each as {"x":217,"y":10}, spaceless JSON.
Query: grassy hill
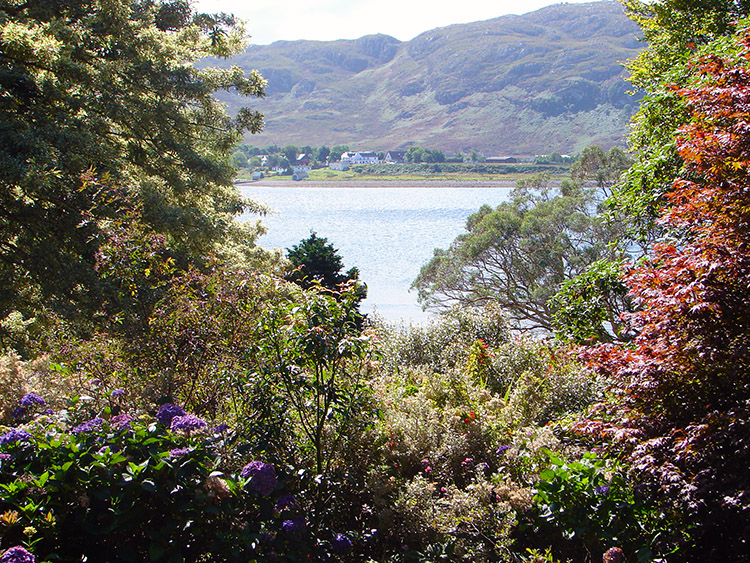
{"x":550,"y":80}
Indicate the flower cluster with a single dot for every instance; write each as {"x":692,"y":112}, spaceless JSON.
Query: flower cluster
{"x":121,"y":421}
{"x":118,"y":393}
{"x":17,"y":555}
{"x":14,"y":435}
{"x":167,"y":412}
{"x":88,"y":426}
{"x":294,"y":525}
{"x":31,"y":399}
{"x":179,"y":452}
{"x":341,"y":544}
{"x":187,"y":423}
{"x":261,"y":477}
{"x":287,"y":502}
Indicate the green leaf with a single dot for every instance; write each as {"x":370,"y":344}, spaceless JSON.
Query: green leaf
{"x":149,"y":486}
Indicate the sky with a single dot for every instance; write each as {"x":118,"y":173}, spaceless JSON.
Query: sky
{"x":326,"y":20}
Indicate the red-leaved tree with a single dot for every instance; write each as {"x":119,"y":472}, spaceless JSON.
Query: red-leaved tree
{"x":684,"y":385}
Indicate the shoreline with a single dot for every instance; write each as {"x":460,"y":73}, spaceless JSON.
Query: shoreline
{"x":377,"y":183}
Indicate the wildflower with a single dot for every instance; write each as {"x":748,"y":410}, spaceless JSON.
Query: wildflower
{"x":19,"y":413}
{"x":31,"y":399}
{"x":17,"y":555}
{"x":217,"y":487}
{"x":260,"y":476}
{"x":179,"y":452}
{"x":502,"y":449}
{"x":427,"y":469}
{"x":467,"y":461}
{"x":48,"y":412}
{"x":286,"y":501}
{"x":89,"y":426}
{"x":220,"y":429}
{"x":121,"y":421}
{"x":341,"y":544}
{"x":613,"y":555}
{"x":118,"y":393}
{"x":187,"y":423}
{"x":293,"y":525}
{"x":484,"y":466}
{"x":602,"y":490}
{"x":167,"y":412}
{"x":5,"y":457}
{"x":14,"y":435}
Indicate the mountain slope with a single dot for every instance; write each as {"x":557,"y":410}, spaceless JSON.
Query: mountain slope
{"x":550,"y":80}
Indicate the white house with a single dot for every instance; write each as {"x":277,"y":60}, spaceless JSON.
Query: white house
{"x":360,"y":157}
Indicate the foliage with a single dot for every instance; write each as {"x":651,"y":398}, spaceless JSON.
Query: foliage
{"x":456,"y":453}
{"x":585,"y":507}
{"x":517,"y":255}
{"x":418,"y":154}
{"x":312,"y":351}
{"x":603,"y":168}
{"x":127,"y":488}
{"x":684,"y":383}
{"x":456,"y":168}
{"x":101,"y":105}
{"x":674,"y":30}
{"x":316,"y":261}
{"x":590,"y":307}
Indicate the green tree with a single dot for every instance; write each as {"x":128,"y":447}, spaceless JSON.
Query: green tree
{"x":290,"y":152}
{"x":602,"y":167}
{"x":321,"y":155}
{"x":674,"y":31}
{"x":518,"y":254}
{"x":101,"y":104}
{"x":684,"y":383}
{"x":316,"y":261}
{"x":337,"y":151}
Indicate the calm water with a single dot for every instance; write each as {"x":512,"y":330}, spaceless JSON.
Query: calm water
{"x":388,"y":233}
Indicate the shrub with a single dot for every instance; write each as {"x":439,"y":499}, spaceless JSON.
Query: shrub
{"x":126,"y":488}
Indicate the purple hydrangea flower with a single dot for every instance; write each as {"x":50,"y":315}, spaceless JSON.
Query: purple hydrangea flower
{"x":261,"y":477}
{"x":88,"y":426}
{"x":602,"y":490}
{"x":31,"y":399}
{"x":17,"y":555}
{"x":118,"y":393}
{"x":19,"y":413}
{"x":187,"y":423}
{"x":121,"y":421}
{"x":167,"y":412}
{"x":13,"y":436}
{"x":294,"y":525}
{"x":179,"y":452}
{"x":341,"y":544}
{"x":286,"y":501}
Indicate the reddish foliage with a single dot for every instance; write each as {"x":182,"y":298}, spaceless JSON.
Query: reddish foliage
{"x":685,"y":383}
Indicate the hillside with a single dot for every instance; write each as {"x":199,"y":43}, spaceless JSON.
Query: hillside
{"x":550,"y":80}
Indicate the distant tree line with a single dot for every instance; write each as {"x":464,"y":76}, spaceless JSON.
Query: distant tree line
{"x":249,"y":156}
